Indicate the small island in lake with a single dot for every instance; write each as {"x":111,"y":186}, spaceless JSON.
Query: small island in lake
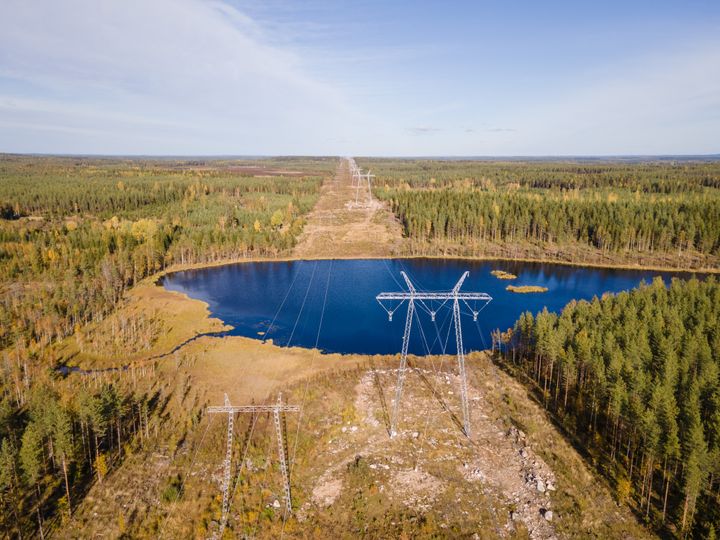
{"x":526,"y":289}
{"x":502,"y":274}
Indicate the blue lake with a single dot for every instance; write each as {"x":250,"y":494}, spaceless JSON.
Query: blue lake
{"x":283,"y":301}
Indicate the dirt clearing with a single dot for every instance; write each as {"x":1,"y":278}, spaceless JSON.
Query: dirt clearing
{"x":337,"y":227}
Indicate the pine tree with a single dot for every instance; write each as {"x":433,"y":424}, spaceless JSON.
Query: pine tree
{"x":31,"y":453}
{"x":694,"y":456}
{"x":62,"y":443}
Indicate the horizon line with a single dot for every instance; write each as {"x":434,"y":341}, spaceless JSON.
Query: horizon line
{"x":488,"y":157}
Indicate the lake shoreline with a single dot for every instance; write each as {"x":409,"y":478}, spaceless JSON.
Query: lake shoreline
{"x":287,"y":296}
{"x":291,"y":258}
{"x":154,"y":281}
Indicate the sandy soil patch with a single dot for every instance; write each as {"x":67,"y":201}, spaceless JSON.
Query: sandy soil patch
{"x":248,"y":369}
{"x":326,"y":491}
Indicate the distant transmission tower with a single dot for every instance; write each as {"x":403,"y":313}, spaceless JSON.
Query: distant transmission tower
{"x":354,"y":171}
{"x":357,"y":179}
{"x":231,"y":410}
{"x":366,"y":176}
{"x":412,"y":296}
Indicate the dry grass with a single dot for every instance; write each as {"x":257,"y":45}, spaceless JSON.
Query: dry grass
{"x":349,"y":478}
{"x":248,"y":369}
{"x":501,"y":274}
{"x":176,"y":320}
{"x":524,"y":289}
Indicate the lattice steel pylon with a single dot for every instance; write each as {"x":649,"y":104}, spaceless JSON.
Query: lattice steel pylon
{"x":366,"y":176}
{"x":353,"y":170}
{"x":277,"y":409}
{"x":412,"y":296}
{"x":357,"y":179}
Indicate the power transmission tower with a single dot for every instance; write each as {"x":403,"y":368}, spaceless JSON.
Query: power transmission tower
{"x":412,"y":296}
{"x":357,"y":179}
{"x":367,"y":176}
{"x":353,"y":170}
{"x":277,"y":409}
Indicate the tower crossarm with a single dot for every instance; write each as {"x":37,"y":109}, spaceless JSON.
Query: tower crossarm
{"x":253,"y":408}
{"x":456,"y":288}
{"x":433,"y":296}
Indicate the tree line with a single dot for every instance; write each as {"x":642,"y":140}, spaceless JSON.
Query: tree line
{"x":74,"y":236}
{"x":636,"y":377}
{"x":662,"y":213}
{"x":654,"y":177}
{"x":75,"y":242}
{"x":663,"y":225}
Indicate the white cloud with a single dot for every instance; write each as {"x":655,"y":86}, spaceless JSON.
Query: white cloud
{"x":197,"y":72}
{"x":201,"y":77}
{"x":663,"y":104}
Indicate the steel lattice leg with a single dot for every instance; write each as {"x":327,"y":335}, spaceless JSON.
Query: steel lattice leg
{"x":231,"y":410}
{"x":461,"y":368}
{"x":401,"y":371}
{"x":226,"y":471}
{"x":283,"y":457}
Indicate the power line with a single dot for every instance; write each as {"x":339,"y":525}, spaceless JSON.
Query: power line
{"x":413,"y":296}
{"x":292,"y":283}
{"x":307,"y":383}
{"x":277,"y":409}
{"x":182,"y":482}
{"x":359,"y":179}
{"x":302,"y":307}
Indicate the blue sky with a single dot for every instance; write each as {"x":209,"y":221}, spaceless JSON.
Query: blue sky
{"x":199,"y":77}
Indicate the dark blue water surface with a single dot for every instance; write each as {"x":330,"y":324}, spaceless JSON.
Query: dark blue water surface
{"x":285,"y":299}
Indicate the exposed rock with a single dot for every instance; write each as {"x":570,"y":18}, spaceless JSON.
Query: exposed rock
{"x":417,"y":487}
{"x":504,"y":467}
{"x":327,"y":490}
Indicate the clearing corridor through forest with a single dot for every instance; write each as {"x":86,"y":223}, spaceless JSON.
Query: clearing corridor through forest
{"x":338,"y":227}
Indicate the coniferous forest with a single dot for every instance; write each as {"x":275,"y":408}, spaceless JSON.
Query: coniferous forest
{"x":635,"y":377}
{"x":661,"y":214}
{"x":75,"y":234}
{"x":359,"y":270}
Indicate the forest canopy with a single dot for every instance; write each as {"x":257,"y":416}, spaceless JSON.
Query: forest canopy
{"x":636,"y":376}
{"x":75,"y":234}
{"x":663,"y":214}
